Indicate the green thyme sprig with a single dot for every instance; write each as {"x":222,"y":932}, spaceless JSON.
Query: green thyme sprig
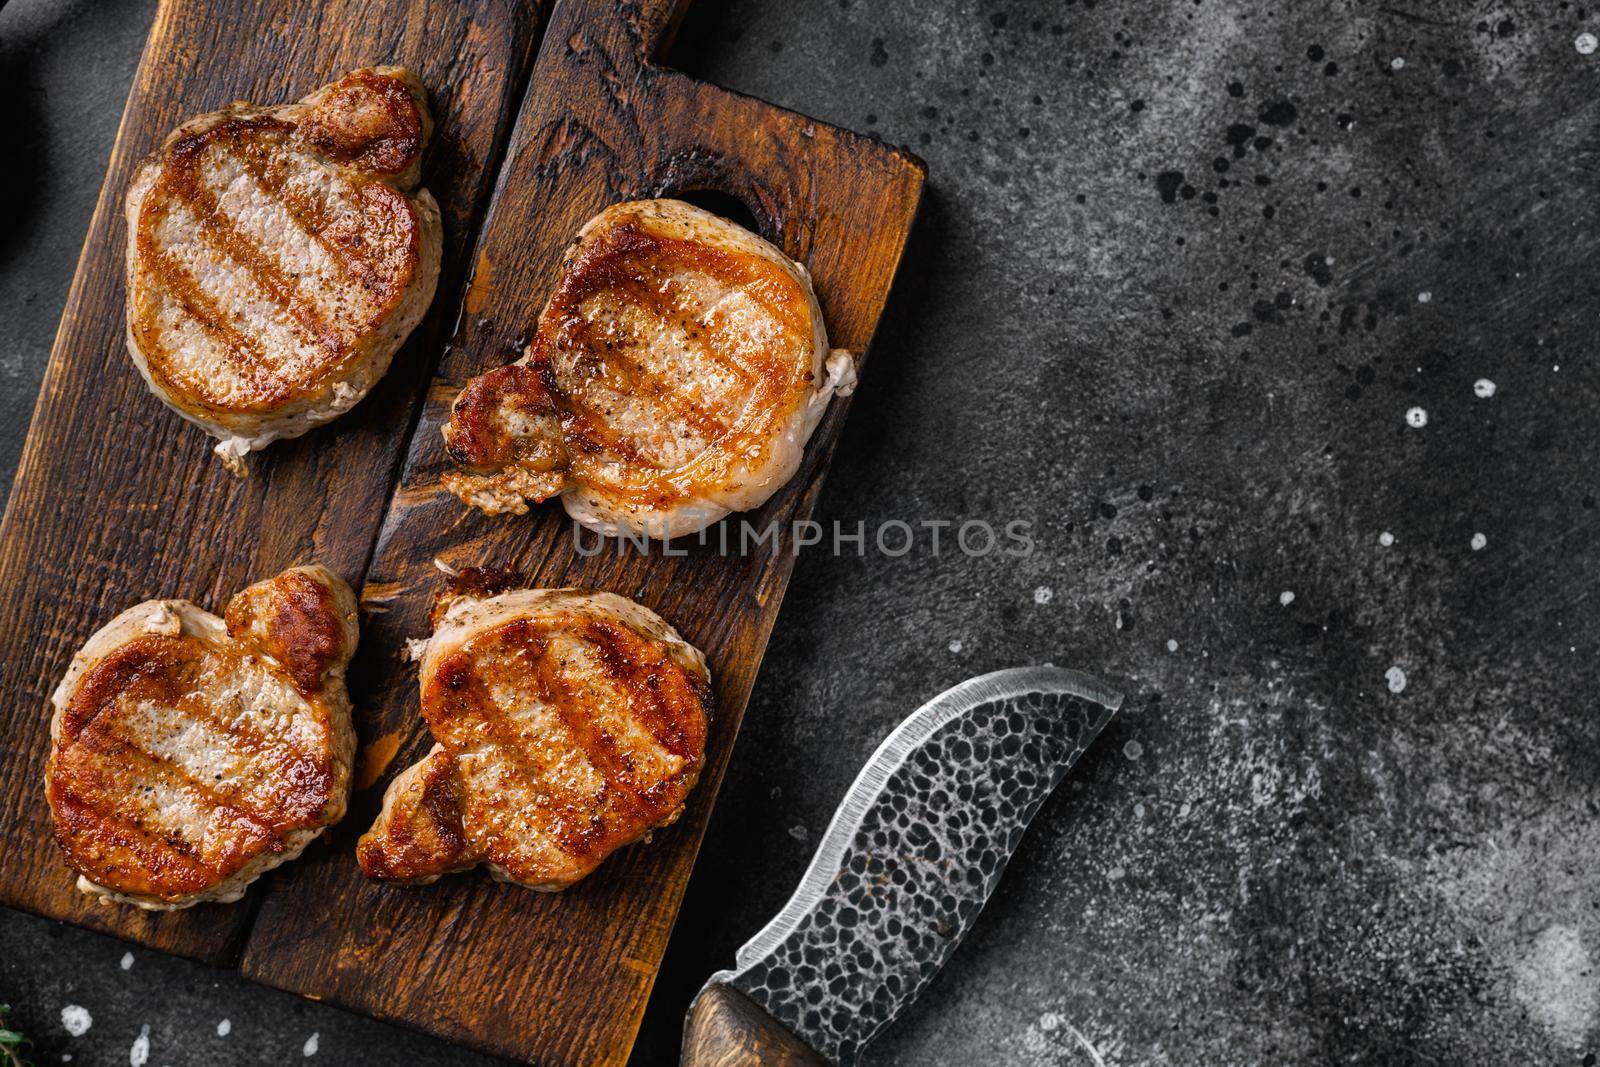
{"x":12,"y":1042}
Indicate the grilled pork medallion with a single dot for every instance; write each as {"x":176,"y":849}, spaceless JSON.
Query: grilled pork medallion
{"x":568,"y":724}
{"x":277,"y":257}
{"x":675,"y":376}
{"x":192,"y":754}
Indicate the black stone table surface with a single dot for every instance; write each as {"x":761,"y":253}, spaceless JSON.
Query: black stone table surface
{"x":1280,"y":323}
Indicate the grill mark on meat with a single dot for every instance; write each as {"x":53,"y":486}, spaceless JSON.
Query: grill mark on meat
{"x":768,"y":377}
{"x":626,"y":375}
{"x":220,"y":233}
{"x":142,"y":667}
{"x":465,"y":701}
{"x":589,"y":431}
{"x":180,"y":182}
{"x":105,"y":741}
{"x":641,"y":670}
{"x":301,"y":781}
{"x":601,"y":752}
{"x":318,"y":221}
{"x":628,"y":267}
{"x":99,"y":756}
{"x":164,"y":670}
{"x":244,"y":739}
{"x":246,"y":355}
{"x":257,"y":146}
{"x":470,"y":701}
{"x":465,"y":698}
{"x":169,"y":867}
{"x":659,"y":295}
{"x":91,"y":817}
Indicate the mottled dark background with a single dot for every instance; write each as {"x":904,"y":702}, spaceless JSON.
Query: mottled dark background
{"x":1183,"y":270}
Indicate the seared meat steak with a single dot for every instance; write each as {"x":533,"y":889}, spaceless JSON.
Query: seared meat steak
{"x":277,"y":257}
{"x":676,"y":374}
{"x":568,"y":723}
{"x":192,"y":754}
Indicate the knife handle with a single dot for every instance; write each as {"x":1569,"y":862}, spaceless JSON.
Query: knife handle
{"x":726,"y":1029}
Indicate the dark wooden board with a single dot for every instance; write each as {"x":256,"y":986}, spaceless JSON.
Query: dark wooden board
{"x":563,"y":979}
{"x":117,"y":500}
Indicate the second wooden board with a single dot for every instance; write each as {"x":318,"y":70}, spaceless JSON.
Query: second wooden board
{"x":563,"y":979}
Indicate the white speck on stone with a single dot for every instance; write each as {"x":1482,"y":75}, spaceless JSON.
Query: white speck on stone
{"x":76,"y":1020}
{"x":1172,"y":644}
{"x":1386,"y":539}
{"x":1483,"y":388}
{"x":1397,"y":63}
{"x":1396,"y":679}
{"x":1416,"y":418}
{"x":310,"y":1048}
{"x":1138,"y":811}
{"x":1586,"y":43}
{"x":224,"y":1028}
{"x":799,"y":833}
{"x":127,"y":961}
{"x":1286,"y":598}
{"x":1478,"y":541}
{"x":955,"y":646}
{"x":1116,"y":874}
{"x":1133,"y":750}
{"x":1424,"y":297}
{"x":1043,"y":595}
{"x":139,"y":1054}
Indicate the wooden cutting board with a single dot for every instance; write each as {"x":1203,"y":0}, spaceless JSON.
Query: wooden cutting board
{"x":526,"y":150}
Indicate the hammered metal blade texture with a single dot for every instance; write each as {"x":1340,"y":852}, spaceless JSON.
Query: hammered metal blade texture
{"x":914,"y":852}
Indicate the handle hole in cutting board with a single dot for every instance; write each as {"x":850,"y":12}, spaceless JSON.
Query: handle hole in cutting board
{"x":721,"y":203}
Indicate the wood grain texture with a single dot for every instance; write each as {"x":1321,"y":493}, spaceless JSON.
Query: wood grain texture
{"x":116,"y":499}
{"x":563,"y":979}
{"x":725,"y":1028}
{"x":102,"y":517}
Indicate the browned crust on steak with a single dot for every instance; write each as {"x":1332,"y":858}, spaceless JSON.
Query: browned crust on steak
{"x":630,"y":269}
{"x":368,"y":130}
{"x":433,"y":824}
{"x":424,"y":836}
{"x":292,"y":618}
{"x":114,"y":736}
{"x":368,"y":120}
